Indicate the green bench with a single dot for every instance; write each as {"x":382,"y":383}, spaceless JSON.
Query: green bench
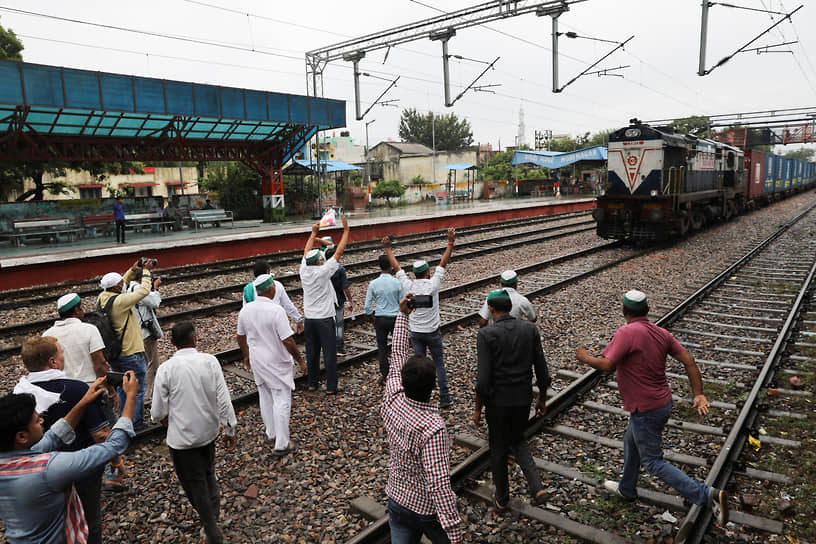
{"x":200,"y":217}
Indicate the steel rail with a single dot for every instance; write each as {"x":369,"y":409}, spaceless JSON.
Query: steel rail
{"x":181,"y":273}
{"x":695,"y":524}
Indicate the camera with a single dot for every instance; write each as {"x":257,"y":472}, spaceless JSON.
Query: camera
{"x":420,"y":301}
{"x":115,"y":378}
{"x":144,"y":260}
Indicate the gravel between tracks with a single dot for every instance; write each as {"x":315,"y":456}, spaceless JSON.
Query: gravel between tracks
{"x":342,"y":450}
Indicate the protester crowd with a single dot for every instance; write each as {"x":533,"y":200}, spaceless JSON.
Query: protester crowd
{"x":69,"y":420}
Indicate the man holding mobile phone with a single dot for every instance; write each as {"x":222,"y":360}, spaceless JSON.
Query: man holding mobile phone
{"x":56,"y":396}
{"x":424,"y":322}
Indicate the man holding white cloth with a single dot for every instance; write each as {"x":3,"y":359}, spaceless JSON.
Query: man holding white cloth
{"x":268,"y":344}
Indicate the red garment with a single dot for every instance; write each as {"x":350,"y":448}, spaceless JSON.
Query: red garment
{"x":419,"y":465}
{"x":639,"y":351}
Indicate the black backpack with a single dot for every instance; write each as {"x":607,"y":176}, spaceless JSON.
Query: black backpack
{"x":101,"y":319}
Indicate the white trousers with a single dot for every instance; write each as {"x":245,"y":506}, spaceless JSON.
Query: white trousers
{"x":276,"y":406}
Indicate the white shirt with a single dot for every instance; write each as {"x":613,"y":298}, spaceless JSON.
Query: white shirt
{"x":521,"y":307}
{"x":78,"y":341}
{"x":191,"y":392}
{"x":423,"y":319}
{"x":266,"y":326}
{"x":281,"y":299}
{"x":319,"y":298}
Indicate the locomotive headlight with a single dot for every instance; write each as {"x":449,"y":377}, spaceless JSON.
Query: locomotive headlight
{"x":632,"y":132}
{"x":602,"y":193}
{"x":653,"y":193}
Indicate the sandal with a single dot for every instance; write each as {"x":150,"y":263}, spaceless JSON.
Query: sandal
{"x":499,"y":507}
{"x":540,"y":497}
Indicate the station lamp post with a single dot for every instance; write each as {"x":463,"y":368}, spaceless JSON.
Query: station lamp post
{"x":367,"y":166}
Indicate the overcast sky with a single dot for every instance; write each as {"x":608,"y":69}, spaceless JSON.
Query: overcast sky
{"x":661,"y":82}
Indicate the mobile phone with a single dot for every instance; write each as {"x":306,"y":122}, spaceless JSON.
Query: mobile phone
{"x":420,"y":301}
{"x":115,"y":378}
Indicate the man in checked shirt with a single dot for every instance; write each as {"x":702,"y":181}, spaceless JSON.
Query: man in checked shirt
{"x":420,"y":498}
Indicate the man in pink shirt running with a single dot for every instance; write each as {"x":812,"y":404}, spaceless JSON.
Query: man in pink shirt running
{"x":637,"y":353}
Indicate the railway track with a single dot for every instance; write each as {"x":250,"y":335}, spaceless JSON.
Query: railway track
{"x":741,"y":331}
{"x":458,"y":305}
{"x":227,"y":298}
{"x":43,"y":294}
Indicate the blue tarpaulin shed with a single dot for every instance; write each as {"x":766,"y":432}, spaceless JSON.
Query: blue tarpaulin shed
{"x":326,"y":166}
{"x":548,"y":159}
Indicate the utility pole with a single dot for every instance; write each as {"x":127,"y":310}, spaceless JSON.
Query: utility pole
{"x":181,"y":178}
{"x":367,"y":166}
{"x":433,"y":144}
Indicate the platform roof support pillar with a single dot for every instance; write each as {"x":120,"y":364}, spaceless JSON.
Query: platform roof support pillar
{"x":272,"y":188}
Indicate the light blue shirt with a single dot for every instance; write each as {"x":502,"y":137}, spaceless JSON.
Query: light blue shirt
{"x":32,"y":504}
{"x":387,"y":293}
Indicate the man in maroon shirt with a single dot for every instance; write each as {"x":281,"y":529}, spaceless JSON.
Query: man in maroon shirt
{"x":638,"y":353}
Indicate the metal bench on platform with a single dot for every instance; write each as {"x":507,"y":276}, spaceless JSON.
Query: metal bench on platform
{"x":155,"y":220}
{"x":210,"y":216}
{"x":49,"y":228}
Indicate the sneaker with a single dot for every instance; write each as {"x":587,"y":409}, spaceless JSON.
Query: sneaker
{"x":719,"y":504}
{"x":613,"y":487}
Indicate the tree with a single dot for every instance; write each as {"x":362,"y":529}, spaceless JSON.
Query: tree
{"x":238,"y":188}
{"x":448,"y":131}
{"x":696,"y":125}
{"x":803,"y":154}
{"x":10,"y":46}
{"x":388,"y":190}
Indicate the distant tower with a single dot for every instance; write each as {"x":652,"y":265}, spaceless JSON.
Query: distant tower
{"x":520,"y":139}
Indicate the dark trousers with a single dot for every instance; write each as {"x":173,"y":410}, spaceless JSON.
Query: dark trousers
{"x":195,"y":469}
{"x":407,"y":527}
{"x":319,"y":335}
{"x":422,"y":342}
{"x":506,"y":427}
{"x":120,"y":230}
{"x":382,"y":326}
{"x":90,"y":492}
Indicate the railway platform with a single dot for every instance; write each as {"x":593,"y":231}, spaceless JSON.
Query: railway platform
{"x":83,"y":258}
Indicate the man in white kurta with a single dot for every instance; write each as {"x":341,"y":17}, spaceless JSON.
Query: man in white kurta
{"x":269,"y":349}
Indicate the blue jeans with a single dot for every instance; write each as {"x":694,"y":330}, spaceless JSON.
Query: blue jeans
{"x":643,"y":446}
{"x":407,"y":527}
{"x":319,"y":335}
{"x":433,"y":342}
{"x":138,"y":364}
{"x":340,"y":328}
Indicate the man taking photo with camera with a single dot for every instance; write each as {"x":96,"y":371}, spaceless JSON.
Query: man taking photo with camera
{"x":127,"y":326}
{"x":424,"y":321}
{"x":151,"y":329}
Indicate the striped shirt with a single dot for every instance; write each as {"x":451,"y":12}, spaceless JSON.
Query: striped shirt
{"x":419,"y":466}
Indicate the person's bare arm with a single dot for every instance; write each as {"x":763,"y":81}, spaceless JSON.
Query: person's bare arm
{"x":100,"y":365}
{"x":341,"y":247}
{"x":483,"y":322}
{"x":292,"y":348}
{"x":386,"y":242}
{"x":242,"y":343}
{"x":310,"y":242}
{"x":451,"y":240}
{"x":700,"y":402}
{"x":600,"y":363}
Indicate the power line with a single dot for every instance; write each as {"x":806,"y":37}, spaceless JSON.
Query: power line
{"x":147,"y":33}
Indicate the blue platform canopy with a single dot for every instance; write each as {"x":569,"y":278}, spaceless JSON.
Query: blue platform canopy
{"x":70,"y":102}
{"x":460,"y":167}
{"x":311,"y":167}
{"x":553,"y":159}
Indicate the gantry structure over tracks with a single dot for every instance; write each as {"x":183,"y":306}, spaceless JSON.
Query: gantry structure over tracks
{"x":51,"y":113}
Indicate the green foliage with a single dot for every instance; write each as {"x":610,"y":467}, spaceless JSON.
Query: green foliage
{"x":499,"y":167}
{"x":418,"y":180}
{"x":238,"y":187}
{"x":10,"y":46}
{"x":803,"y":154}
{"x":388,"y":190}
{"x":450,"y":132}
{"x":696,"y":125}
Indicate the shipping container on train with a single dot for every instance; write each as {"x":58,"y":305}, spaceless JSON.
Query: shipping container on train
{"x":662,"y":183}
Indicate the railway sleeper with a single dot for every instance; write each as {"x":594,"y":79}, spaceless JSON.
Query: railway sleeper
{"x":664,"y":500}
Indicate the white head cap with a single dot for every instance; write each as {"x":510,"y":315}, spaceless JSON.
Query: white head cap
{"x":66,"y":302}
{"x":110,"y":279}
{"x":263,"y":281}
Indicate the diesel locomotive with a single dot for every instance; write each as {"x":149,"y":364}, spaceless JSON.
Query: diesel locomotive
{"x":663,"y":183}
